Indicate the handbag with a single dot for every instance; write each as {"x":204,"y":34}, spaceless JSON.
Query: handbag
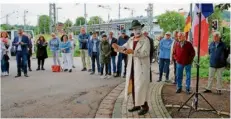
{"x":56,"y":68}
{"x":13,"y":51}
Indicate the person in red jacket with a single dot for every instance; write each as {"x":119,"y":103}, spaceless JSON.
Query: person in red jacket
{"x":183,"y":54}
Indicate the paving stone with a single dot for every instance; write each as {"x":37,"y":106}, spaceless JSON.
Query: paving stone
{"x":103,"y":116}
{"x":110,"y":98}
{"x":105,"y":111}
{"x":106,"y":106}
{"x":113,"y":95}
{"x":108,"y":101}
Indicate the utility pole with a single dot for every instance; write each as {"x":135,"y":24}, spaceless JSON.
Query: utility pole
{"x":24,"y":18}
{"x":119,"y":11}
{"x":85,"y":16}
{"x":7,"y":18}
{"x":150,"y":17}
{"x":52,"y":15}
{"x":38,"y":22}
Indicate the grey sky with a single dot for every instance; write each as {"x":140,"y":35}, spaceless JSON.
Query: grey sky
{"x":72,"y":11}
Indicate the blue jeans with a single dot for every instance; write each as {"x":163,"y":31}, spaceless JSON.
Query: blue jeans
{"x":113,"y":62}
{"x":121,"y":57}
{"x":180,"y":69}
{"x":21,"y":62}
{"x":3,"y":65}
{"x":95,"y":56}
{"x":164,"y":66}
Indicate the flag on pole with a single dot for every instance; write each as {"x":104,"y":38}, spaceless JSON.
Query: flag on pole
{"x":206,"y":11}
{"x":187,"y":25}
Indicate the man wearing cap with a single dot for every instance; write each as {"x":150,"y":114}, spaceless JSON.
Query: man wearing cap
{"x":138,"y":69}
{"x":122,"y":57}
{"x":165,"y":47}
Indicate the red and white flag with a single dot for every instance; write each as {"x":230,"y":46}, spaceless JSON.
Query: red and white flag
{"x":206,"y":10}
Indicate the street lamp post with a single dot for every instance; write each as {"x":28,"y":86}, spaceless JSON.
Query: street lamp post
{"x":58,"y":8}
{"x":130,"y":9}
{"x":108,"y":8}
{"x":85,"y":16}
{"x":7,"y":16}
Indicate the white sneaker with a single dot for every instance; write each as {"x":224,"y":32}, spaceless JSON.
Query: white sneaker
{"x":108,"y":76}
{"x":105,"y":76}
{"x":6,"y":74}
{"x":102,"y":77}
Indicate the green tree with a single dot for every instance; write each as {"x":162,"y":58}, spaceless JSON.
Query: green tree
{"x":171,"y":21}
{"x":7,"y":27}
{"x":79,"y":21}
{"x":95,"y":20}
{"x":44,"y":23}
{"x":223,"y":7}
{"x":68,"y":23}
{"x":226,"y":36}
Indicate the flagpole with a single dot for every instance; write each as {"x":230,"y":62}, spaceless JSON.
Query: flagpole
{"x":190,"y":35}
{"x":198,"y":59}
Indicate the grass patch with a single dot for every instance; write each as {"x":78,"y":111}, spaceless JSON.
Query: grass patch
{"x":48,"y":38}
{"x":204,"y":70}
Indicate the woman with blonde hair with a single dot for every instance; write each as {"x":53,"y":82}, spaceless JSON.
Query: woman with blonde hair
{"x":4,"y":57}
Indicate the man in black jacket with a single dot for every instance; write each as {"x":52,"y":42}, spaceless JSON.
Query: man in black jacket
{"x":112,"y":40}
{"x":151,"y":51}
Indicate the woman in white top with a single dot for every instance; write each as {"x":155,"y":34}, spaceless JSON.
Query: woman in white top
{"x":4,"y":57}
{"x":73,"y":44}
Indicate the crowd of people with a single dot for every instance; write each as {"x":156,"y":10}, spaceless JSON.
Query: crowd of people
{"x":136,"y":51}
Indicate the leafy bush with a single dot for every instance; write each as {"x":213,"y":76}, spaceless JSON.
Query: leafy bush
{"x":204,"y":69}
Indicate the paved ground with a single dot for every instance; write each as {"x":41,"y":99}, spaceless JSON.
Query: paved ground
{"x":46,"y":94}
{"x":114,"y":105}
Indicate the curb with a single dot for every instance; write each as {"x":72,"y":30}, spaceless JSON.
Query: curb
{"x":157,"y":108}
{"x":107,"y":104}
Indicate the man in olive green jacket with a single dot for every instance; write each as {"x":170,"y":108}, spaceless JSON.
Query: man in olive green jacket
{"x":105,"y":51}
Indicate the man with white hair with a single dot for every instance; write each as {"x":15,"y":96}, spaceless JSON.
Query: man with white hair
{"x":218,"y":54}
{"x":83,"y":46}
{"x":183,"y":54}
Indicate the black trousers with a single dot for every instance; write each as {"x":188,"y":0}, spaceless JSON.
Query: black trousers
{"x":28,"y":61}
{"x":41,"y":62}
{"x":175,"y":76}
{"x":106,"y":69}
